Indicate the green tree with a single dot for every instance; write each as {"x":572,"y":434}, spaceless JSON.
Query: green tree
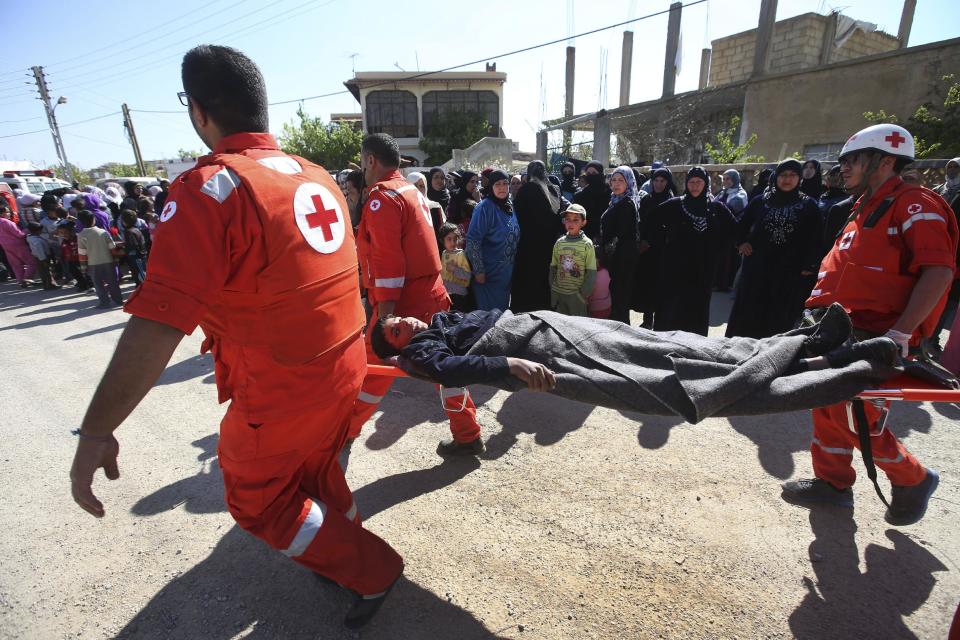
{"x":452,"y":130}
{"x":81,"y":176}
{"x":935,"y":126}
{"x":189,"y":154}
{"x":120,"y":170}
{"x":727,"y":151}
{"x":331,"y":145}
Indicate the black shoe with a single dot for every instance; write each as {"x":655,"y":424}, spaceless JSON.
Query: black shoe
{"x":815,"y":490}
{"x":832,"y":331}
{"x":876,"y":350}
{"x":908,"y":504}
{"x":453,"y":448}
{"x":365,"y":607}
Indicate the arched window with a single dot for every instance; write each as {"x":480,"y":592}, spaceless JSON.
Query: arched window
{"x":486,"y":103}
{"x":393,"y":112}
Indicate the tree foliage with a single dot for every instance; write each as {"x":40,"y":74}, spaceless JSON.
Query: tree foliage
{"x":452,"y":130}
{"x":727,"y":151}
{"x":331,"y":145}
{"x":935,"y":126}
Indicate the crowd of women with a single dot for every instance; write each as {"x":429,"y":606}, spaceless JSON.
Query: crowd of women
{"x":664,"y":249}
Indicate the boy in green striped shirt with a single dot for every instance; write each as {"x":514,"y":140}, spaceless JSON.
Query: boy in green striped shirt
{"x":573,"y":268}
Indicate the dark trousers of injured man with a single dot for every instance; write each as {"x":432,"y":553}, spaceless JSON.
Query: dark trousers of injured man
{"x":284,"y":485}
{"x":457,"y":402}
{"x":835,"y":438}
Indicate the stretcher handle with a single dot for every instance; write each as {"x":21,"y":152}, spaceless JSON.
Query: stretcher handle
{"x":912,"y":395}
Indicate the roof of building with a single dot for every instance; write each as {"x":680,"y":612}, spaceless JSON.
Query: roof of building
{"x":366,"y":79}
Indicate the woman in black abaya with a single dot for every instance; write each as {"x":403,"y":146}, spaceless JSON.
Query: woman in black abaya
{"x":537,"y":206}
{"x":693,"y":230}
{"x":779,"y":237}
{"x":648,"y":262}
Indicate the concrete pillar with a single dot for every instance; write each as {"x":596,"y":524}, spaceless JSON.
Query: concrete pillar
{"x":626,"y":68}
{"x":673,"y":42}
{"x":705,"y":57}
{"x":761,"y":55}
{"x":906,"y":21}
{"x":542,"y":146}
{"x":601,"y":138}
{"x":829,"y":35}
{"x":568,"y":106}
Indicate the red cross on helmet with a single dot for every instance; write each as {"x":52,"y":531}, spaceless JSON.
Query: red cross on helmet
{"x":886,"y":138}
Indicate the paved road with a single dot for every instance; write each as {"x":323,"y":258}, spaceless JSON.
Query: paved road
{"x":578,"y":522}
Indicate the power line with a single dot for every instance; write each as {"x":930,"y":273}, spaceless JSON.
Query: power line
{"x":495,"y":57}
{"x":70,"y":124}
{"x":23,"y":120}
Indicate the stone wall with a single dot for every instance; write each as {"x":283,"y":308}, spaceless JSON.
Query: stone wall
{"x":796,"y":44}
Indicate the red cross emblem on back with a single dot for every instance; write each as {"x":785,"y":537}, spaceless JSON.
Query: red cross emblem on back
{"x":322,"y":217}
{"x":895,"y":139}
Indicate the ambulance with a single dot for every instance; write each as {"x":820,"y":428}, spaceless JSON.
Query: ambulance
{"x":36,"y":181}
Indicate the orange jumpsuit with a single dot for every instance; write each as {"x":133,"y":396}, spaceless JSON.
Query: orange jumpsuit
{"x":254,"y":246}
{"x":400,"y":262}
{"x":872,"y":270}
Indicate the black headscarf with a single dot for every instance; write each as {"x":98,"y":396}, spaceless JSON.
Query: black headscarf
{"x":568,"y":182}
{"x":763,"y":181}
{"x":670,"y":190}
{"x":813,"y":187}
{"x":774,"y":196}
{"x":640,"y":178}
{"x":442,"y":197}
{"x":697,"y":206}
{"x":537,"y":174}
{"x":460,"y":196}
{"x":506,"y":204}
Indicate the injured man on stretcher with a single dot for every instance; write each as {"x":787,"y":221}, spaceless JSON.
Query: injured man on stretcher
{"x":610,"y":364}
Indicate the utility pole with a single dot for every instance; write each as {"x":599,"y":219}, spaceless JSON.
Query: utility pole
{"x":52,"y":119}
{"x":128,"y":123}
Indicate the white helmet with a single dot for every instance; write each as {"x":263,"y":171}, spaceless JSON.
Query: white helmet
{"x":885,"y":138}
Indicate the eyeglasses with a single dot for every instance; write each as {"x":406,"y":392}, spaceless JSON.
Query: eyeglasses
{"x":849,"y":160}
{"x":184,"y":98}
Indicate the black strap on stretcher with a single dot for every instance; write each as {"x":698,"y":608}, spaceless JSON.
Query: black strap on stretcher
{"x":866,"y":447}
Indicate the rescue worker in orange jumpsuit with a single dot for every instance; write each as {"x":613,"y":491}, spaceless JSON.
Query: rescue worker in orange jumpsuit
{"x":891,"y":268}
{"x":255,"y":247}
{"x":400,"y":266}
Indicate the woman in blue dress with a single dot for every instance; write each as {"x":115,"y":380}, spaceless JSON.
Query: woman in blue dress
{"x":492,"y":244}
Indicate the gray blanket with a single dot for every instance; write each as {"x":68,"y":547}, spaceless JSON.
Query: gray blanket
{"x":609,"y":364}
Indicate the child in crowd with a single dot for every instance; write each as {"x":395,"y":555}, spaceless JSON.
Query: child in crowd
{"x":134,"y":246}
{"x":573,"y":268}
{"x":456,"y":270}
{"x":466,"y":214}
{"x":43,"y":252}
{"x":599,"y":302}
{"x":69,"y":256}
{"x":95,"y":247}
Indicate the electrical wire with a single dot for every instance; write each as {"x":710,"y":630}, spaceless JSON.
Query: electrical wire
{"x":63,"y":126}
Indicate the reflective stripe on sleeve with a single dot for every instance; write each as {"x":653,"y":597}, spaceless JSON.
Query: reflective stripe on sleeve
{"x":282,"y":164}
{"x":899,"y":458}
{"x":351,"y":512}
{"x":816,"y":292}
{"x":221,"y":185}
{"x":917,"y":217}
{"x":369,"y":398}
{"x":837,"y":450}
{"x":308,"y":530}
{"x":455,"y":392}
{"x":389,"y":283}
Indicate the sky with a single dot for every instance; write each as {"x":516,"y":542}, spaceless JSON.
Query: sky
{"x":128,"y":51}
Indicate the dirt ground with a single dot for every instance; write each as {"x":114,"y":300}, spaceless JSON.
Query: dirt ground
{"x":579,"y":522}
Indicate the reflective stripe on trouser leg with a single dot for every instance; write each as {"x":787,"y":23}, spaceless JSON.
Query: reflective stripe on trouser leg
{"x":309,"y":527}
{"x":459,"y":407}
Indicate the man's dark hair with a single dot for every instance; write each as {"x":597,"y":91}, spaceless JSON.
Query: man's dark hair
{"x":85,"y":216}
{"x":130,"y":186}
{"x":378,"y":339}
{"x":355,"y":178}
{"x":382,"y":147}
{"x":129,"y":218}
{"x":228,"y":86}
{"x":49,"y":202}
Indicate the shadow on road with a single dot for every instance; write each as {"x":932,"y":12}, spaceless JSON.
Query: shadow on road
{"x":399,"y":415}
{"x":548,"y":417}
{"x":844,"y":603}
{"x":202,"y":493}
{"x":388,"y":492}
{"x":245,"y":588}
{"x":188,"y":369}
{"x":93,"y":332}
{"x":654,"y":431}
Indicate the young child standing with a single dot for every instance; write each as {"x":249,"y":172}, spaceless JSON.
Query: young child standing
{"x":134,"y":246}
{"x":95,"y":247}
{"x":456,"y":270}
{"x":573,"y":268}
{"x":43,"y":252}
{"x":69,"y":255}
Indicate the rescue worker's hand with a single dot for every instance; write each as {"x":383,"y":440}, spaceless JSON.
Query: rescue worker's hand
{"x":745,"y":249}
{"x":902,"y":340}
{"x":537,"y":376}
{"x":91,"y":455}
{"x":481,"y":278}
